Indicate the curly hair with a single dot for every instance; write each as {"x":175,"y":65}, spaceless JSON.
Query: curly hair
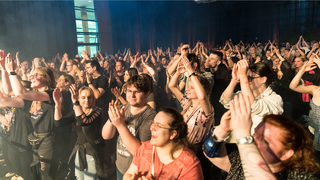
{"x":295,"y":137}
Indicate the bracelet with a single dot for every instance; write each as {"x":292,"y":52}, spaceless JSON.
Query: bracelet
{"x":89,"y":84}
{"x":244,"y":82}
{"x":192,"y":74}
{"x":211,"y":147}
{"x":13,"y":73}
{"x":178,"y":74}
{"x":58,"y":107}
{"x":76,"y":103}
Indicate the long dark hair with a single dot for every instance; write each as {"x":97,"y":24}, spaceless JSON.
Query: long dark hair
{"x":263,"y":70}
{"x":177,"y":124}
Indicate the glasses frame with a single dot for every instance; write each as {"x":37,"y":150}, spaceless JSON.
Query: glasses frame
{"x":157,"y":126}
{"x":250,"y":78}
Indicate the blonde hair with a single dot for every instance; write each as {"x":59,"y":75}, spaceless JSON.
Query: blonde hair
{"x":49,"y":77}
{"x":91,"y":94}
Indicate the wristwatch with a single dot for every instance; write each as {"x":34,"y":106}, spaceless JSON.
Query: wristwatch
{"x":246,"y":140}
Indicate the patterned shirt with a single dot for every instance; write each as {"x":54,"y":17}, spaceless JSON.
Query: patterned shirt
{"x":198,"y":123}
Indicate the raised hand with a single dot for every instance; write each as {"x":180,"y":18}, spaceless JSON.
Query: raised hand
{"x":241,"y":121}
{"x":2,"y":59}
{"x":243,"y":66}
{"x":37,"y":62}
{"x":10,"y":64}
{"x":185,"y":50}
{"x":187,"y":65}
{"x":225,"y":121}
{"x":115,"y":91}
{"x":181,"y":69}
{"x":89,"y":78}
{"x":235,"y":74}
{"x":57,"y":97}
{"x":17,"y":55}
{"x":116,"y":114}
{"x":74,"y":93}
{"x":309,"y":65}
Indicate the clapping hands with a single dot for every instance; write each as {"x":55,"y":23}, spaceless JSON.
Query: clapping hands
{"x":116,"y":114}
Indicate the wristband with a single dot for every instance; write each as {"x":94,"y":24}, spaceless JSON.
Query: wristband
{"x":89,"y":84}
{"x":58,"y":107}
{"x":244,"y":82}
{"x":211,"y":147}
{"x":76,"y":103}
{"x":13,"y":73}
{"x":178,"y":74}
{"x":192,"y":74}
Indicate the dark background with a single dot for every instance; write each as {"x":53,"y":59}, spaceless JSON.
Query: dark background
{"x":44,"y":28}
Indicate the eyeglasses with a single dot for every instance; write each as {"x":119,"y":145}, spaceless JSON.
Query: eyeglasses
{"x":157,"y":126}
{"x":35,"y":75}
{"x":251,"y":78}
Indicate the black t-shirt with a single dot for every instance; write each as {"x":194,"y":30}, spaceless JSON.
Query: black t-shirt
{"x":92,"y":126}
{"x":101,"y":82}
{"x":20,"y":128}
{"x":42,"y":120}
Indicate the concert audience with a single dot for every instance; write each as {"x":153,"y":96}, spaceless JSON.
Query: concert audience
{"x":181,"y":78}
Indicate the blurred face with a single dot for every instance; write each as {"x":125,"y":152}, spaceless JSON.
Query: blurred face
{"x":25,"y":64}
{"x":276,"y":62}
{"x":120,"y":58}
{"x":191,"y":93}
{"x":268,"y":54}
{"x":145,"y":70}
{"x":37,"y":79}
{"x":298,"y":62}
{"x":52,"y":65}
{"x":126,"y":76}
{"x":136,"y":97}
{"x":213,"y":61}
{"x":85,"y":100}
{"x":163,"y":61}
{"x":252,"y":50}
{"x":105,"y":64}
{"x":297,"y":53}
{"x":69,"y":67}
{"x":254,"y":80}
{"x":161,"y":134}
{"x":268,"y":140}
{"x":89,"y":69}
{"x":61,"y":82}
{"x":119,"y":67}
{"x":288,"y":45}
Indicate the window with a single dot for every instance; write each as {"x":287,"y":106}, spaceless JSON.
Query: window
{"x":87,"y":27}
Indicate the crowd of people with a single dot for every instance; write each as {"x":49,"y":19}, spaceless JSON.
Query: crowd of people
{"x":244,"y":111}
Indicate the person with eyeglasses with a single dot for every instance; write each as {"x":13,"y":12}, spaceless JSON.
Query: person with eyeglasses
{"x":167,"y":155}
{"x":255,"y":81}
